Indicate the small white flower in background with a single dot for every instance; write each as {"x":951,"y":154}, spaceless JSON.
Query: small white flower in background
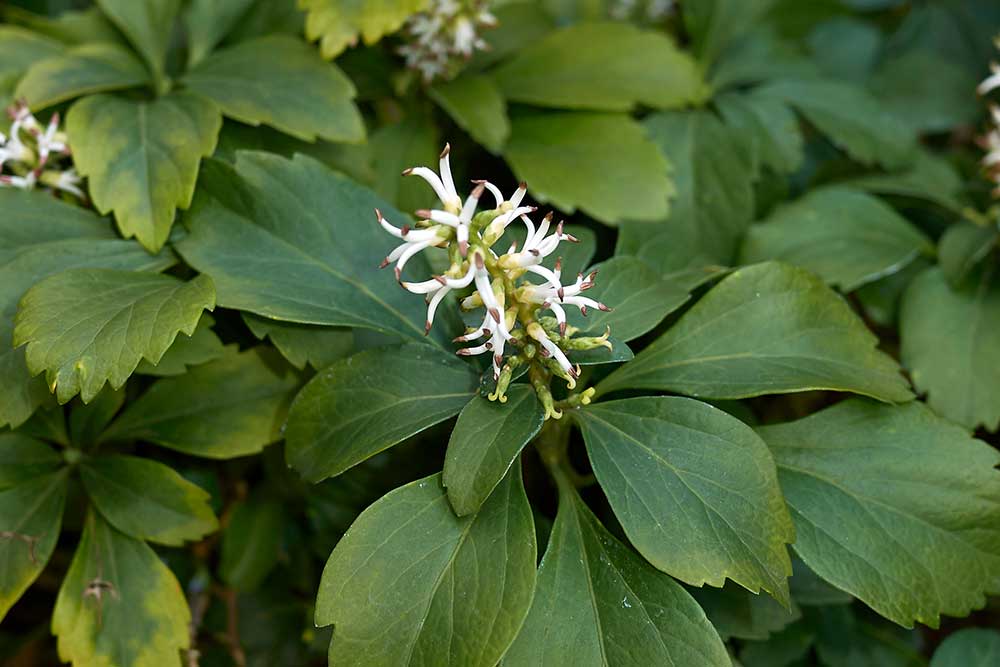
{"x":511,"y":304}
{"x":34,"y":155}
{"x":990,"y":142}
{"x":444,"y":35}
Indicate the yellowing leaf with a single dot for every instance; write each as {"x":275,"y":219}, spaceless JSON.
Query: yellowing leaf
{"x":338,"y":23}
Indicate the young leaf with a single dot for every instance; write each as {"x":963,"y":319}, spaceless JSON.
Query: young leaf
{"x":30,"y":518}
{"x":602,"y":164}
{"x":951,"y":345}
{"x":337,"y":24}
{"x":119,"y":603}
{"x":765,"y":329}
{"x":40,"y":236}
{"x":226,"y":408}
{"x":23,"y":458}
{"x":309,"y":248}
{"x":251,"y":543}
{"x":303,"y":344}
{"x":199,"y":348}
{"x":598,"y":603}
{"x":475,"y":103}
{"x":487,"y":441}
{"x":848,"y":238}
{"x":147,"y":499}
{"x":368,"y":402}
{"x":894,"y":505}
{"x":148,"y":25}
{"x":604,"y":66}
{"x":971,"y":647}
{"x":90,"y":68}
{"x":638,"y":297}
{"x":208,"y":22}
{"x":280,"y":81}
{"x":128,"y":316}
{"x":695,"y":490}
{"x":142,"y":157}
{"x":411,"y":583}
{"x":23,"y":48}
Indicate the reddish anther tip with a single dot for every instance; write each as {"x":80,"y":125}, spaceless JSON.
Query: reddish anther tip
{"x":604,"y":308}
{"x":446,"y":151}
{"x":464,"y":352}
{"x":378,"y":215}
{"x":534,"y":251}
{"x":544,"y":352}
{"x":488,"y":345}
{"x":495,"y":314}
{"x":477,"y":192}
{"x":548,"y":216}
{"x":399,"y":274}
{"x":523,"y":185}
{"x":478,"y":181}
{"x":427,"y":328}
{"x":463,"y":248}
{"x":487,"y":333}
{"x":479,"y":261}
{"x":423,"y":213}
{"x":562,"y":293}
{"x":385,"y":263}
{"x":583,"y":310}
{"x":559,"y":264}
{"x":441,"y":279}
{"x":407,"y":171}
{"x":562,"y":328}
{"x":405,"y":230}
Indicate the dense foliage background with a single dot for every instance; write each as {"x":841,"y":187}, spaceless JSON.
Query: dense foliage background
{"x":787,"y":458}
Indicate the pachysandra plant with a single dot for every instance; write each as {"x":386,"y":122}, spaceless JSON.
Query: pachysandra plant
{"x":35,"y":155}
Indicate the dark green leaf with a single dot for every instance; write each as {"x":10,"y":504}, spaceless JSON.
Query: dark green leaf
{"x":411,"y":142}
{"x":964,"y":246}
{"x":90,"y":68}
{"x":23,"y":48}
{"x":368,"y":402}
{"x":474,"y":102}
{"x":200,"y":347}
{"x":894,"y":505}
{"x":148,"y":26}
{"x":251,"y":543}
{"x":601,"y":355}
{"x":768,"y":126}
{"x":935,"y":101}
{"x":88,"y":420}
{"x":971,"y":647}
{"x":736,"y":612}
{"x":208,"y":22}
{"x":765,"y":329}
{"x":844,"y":640}
{"x":928,"y":178}
{"x":128,"y":316}
{"x":715,"y":24}
{"x":337,"y":24}
{"x":23,"y":458}
{"x":303,"y":344}
{"x":695,"y":490}
{"x":486,"y":442}
{"x":411,"y":583}
{"x":782,"y":650}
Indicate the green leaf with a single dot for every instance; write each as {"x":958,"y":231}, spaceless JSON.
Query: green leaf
{"x":598,"y":603}
{"x":971,"y":647}
{"x":23,"y":458}
{"x":280,"y":81}
{"x":40,"y":236}
{"x":962,"y":247}
{"x":844,"y":640}
{"x":638,"y":296}
{"x":199,"y":348}
{"x":604,"y":66}
{"x":951,"y":346}
{"x":229,"y":407}
{"x":90,"y":68}
{"x":712,"y":172}
{"x":475,"y":103}
{"x":765,"y":329}
{"x":602,"y":164}
{"x":715,"y":24}
{"x":23,"y":48}
{"x":69,"y":27}
{"x":141,"y":158}
{"x":846,"y":237}
{"x":140,"y":618}
{"x":768,"y":126}
{"x":128,"y":316}
{"x":695,"y":490}
{"x":337,"y":24}
{"x":936,"y":101}
{"x":208,"y":22}
{"x":411,"y":142}
{"x":894,"y":505}
{"x":928,"y":178}
{"x":736,"y":612}
{"x":785,"y":648}
{"x":309,"y":248}
{"x":148,"y":25}
{"x":411,"y":583}
{"x":519,"y":24}
{"x":486,"y":442}
{"x":88,"y":420}
{"x":251,"y":543}
{"x":147,"y":499}
{"x":30,"y":518}
{"x":852,"y":119}
{"x":303,"y":344}
{"x":366,"y":403}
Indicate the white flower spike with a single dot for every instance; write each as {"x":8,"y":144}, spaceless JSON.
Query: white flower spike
{"x":32,"y":156}
{"x":444,"y":36}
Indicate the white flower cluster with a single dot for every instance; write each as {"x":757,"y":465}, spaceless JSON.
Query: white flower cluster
{"x":991,"y":140}
{"x":447,"y":32}
{"x":31,"y":154}
{"x":650,"y":10}
{"x":510,"y":304}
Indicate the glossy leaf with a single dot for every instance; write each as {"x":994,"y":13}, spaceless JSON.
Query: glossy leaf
{"x":765,"y":329}
{"x":604,"y":66}
{"x":129,"y":316}
{"x":368,"y":402}
{"x":411,"y":583}
{"x":147,"y":499}
{"x":971,"y":647}
{"x":282,"y":82}
{"x":695,"y":490}
{"x":486,"y":442}
{"x":200,"y":347}
{"x":141,"y":158}
{"x":599,"y":603}
{"x":226,"y":408}
{"x":148,"y":25}
{"x":894,"y":505}
{"x":30,"y":518}
{"x":303,"y":344}
{"x":141,"y":616}
{"x":847,"y":238}
{"x":951,"y":346}
{"x":90,"y":68}
{"x":23,"y":458}
{"x":337,"y":24}
{"x":602,"y":164}
{"x":251,"y":543}
{"x":476,"y":104}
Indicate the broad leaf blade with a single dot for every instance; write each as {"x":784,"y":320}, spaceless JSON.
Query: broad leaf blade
{"x":487,"y":441}
{"x":467,"y":586}
{"x":208,"y":22}
{"x":767,"y":126}
{"x":475,"y":103}
{"x":199,"y":348}
{"x":894,"y":505}
{"x":303,"y":344}
{"x":368,"y":402}
{"x":337,"y":24}
{"x":23,"y":458}
{"x":129,"y":316}
{"x":147,"y":499}
{"x":251,"y":543}
{"x":765,"y":329}
{"x":148,"y":25}
{"x":23,"y":48}
{"x":90,"y":68}
{"x":971,"y":647}
{"x":695,"y":490}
